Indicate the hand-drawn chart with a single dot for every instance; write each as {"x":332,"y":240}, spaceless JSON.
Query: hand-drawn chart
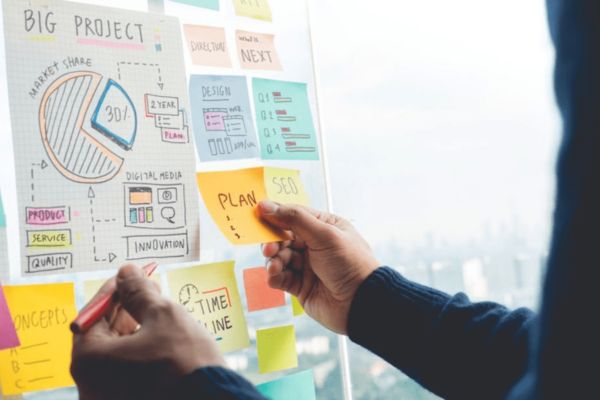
{"x":104,"y":163}
{"x":223,"y":124}
{"x":284,"y":120}
{"x":76,"y":154}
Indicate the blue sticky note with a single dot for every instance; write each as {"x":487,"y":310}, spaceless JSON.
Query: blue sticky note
{"x":299,"y":386}
{"x":285,"y":125}
{"x":210,"y":4}
{"x":222,"y":116}
{"x":2,"y":217}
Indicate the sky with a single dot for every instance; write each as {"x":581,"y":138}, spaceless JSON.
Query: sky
{"x":439,"y":116}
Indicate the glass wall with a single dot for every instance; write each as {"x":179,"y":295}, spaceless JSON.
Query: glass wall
{"x":442,"y":114}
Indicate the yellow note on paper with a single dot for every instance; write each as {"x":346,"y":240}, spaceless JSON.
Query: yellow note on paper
{"x":42,"y":314}
{"x":258,"y":9}
{"x":285,"y":186}
{"x":276,"y":349}
{"x":210,"y":293}
{"x":231,"y":198}
{"x":91,"y":287}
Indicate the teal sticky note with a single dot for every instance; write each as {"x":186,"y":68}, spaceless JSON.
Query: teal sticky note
{"x":299,"y":386}
{"x":210,"y":4}
{"x":2,"y":216}
{"x":285,"y":125}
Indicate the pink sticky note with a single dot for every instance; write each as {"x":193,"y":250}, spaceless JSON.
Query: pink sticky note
{"x":8,"y":335}
{"x":207,"y":45}
{"x":257,"y":51}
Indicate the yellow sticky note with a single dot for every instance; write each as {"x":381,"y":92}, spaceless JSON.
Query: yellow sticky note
{"x":231,"y":198}
{"x":258,"y":9}
{"x":285,"y":186}
{"x":210,"y":293}
{"x":91,"y":287}
{"x":276,"y":349}
{"x":297,"y":308}
{"x":42,"y":314}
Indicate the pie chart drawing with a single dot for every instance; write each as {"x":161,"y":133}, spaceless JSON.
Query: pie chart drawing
{"x":115,"y":116}
{"x":75,"y":153}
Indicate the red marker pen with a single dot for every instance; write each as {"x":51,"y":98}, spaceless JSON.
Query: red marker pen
{"x":99,"y":307}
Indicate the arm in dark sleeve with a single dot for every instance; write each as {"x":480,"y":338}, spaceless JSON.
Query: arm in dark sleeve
{"x":217,"y":383}
{"x":455,"y":348}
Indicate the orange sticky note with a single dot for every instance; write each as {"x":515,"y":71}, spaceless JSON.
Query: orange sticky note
{"x":257,"y":51}
{"x":207,"y":45}
{"x":259,"y":294}
{"x":231,"y":198}
{"x":42,"y":314}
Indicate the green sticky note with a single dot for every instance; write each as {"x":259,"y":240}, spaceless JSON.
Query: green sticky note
{"x":297,"y":308}
{"x":276,"y":349}
{"x":2,"y":216}
{"x":284,"y":120}
{"x":210,"y":4}
{"x":300,"y":386}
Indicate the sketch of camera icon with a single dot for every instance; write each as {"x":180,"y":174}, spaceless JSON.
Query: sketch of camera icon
{"x":167,"y":195}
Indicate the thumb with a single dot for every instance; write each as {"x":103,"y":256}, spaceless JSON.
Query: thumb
{"x":137,"y":294}
{"x":305,"y":222}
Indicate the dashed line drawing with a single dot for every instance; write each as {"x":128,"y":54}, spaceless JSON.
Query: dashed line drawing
{"x":121,"y":64}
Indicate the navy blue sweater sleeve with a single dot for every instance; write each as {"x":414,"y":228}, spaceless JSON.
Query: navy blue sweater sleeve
{"x":216,"y":383}
{"x":455,"y":348}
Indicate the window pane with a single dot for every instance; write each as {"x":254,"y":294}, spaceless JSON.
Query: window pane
{"x":441,"y":118}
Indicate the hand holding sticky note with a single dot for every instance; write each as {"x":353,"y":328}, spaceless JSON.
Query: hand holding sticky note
{"x":231,"y":198}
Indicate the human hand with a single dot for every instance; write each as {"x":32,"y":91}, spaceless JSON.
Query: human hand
{"x":323,"y":264}
{"x":121,"y":359}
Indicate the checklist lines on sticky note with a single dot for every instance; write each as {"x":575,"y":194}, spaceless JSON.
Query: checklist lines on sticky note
{"x":282,"y":116}
{"x":278,"y":98}
{"x":31,"y":353}
{"x":41,"y":316}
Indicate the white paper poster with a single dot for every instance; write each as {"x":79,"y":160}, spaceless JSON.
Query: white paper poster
{"x":104,"y":159}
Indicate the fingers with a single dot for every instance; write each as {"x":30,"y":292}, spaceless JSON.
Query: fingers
{"x":138,"y":294}
{"x":286,"y":258}
{"x":124,"y":324}
{"x":287,"y":280}
{"x":307,"y":223}
{"x":271,"y":249}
